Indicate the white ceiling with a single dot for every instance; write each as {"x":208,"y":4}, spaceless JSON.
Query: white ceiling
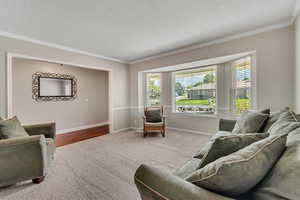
{"x":128,"y":30}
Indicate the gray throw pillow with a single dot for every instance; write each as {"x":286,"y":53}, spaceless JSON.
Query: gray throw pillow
{"x":287,"y":122}
{"x":225,"y":145}
{"x":199,"y":154}
{"x":273,"y":118}
{"x":282,"y":182}
{"x":250,"y":122}
{"x":239,"y":172}
{"x":153,"y":116}
{"x":11,"y":128}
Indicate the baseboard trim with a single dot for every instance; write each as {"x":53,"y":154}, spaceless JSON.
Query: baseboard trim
{"x":179,"y":130}
{"x":189,"y":131}
{"x":80,"y":128}
{"x":82,"y":134}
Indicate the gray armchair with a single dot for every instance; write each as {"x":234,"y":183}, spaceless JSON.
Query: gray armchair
{"x":25,"y":158}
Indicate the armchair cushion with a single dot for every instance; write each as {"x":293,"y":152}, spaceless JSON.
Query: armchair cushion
{"x":153,"y":115}
{"x":237,"y":173}
{"x":11,"y":128}
{"x":225,"y":145}
{"x":250,"y":122}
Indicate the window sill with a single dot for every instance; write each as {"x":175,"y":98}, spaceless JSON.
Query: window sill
{"x":216,"y":116}
{"x":196,"y":115}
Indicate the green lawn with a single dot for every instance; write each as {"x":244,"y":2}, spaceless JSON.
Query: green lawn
{"x":242,"y":104}
{"x":188,"y":102}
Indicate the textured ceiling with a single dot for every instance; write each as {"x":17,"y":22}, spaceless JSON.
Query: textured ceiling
{"x":134,"y":29}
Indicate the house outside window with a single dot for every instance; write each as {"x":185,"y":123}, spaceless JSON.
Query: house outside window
{"x":195,"y":90}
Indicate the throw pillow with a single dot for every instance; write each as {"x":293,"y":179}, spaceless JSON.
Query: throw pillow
{"x":273,"y":118}
{"x":282,"y":182}
{"x":287,"y":122}
{"x":199,"y":154}
{"x":250,"y":122}
{"x":11,"y":128}
{"x":153,"y":116}
{"x":225,"y":145}
{"x":239,"y":172}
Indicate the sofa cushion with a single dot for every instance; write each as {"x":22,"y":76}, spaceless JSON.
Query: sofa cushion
{"x":225,"y":145}
{"x":188,"y":168}
{"x":239,"y":172}
{"x":199,"y":154}
{"x":273,"y":118}
{"x":11,"y":128}
{"x":153,"y":115}
{"x":283,"y":181}
{"x":287,"y":122}
{"x":250,"y":122}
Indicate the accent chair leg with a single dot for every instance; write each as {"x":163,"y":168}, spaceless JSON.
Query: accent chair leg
{"x":38,"y":180}
{"x":163,"y":133}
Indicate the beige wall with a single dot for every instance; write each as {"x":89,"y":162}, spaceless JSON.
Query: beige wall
{"x":120,"y":73}
{"x":90,"y":107}
{"x":275,"y":66}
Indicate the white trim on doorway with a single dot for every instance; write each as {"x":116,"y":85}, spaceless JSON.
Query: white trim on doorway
{"x":9,"y":83}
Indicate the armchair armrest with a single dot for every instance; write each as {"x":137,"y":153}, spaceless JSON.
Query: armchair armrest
{"x":154,"y":183}
{"x":226,"y":124}
{"x":22,"y":158}
{"x":47,"y":129}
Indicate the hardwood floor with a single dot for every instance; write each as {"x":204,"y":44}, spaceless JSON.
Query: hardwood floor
{"x":76,"y":136}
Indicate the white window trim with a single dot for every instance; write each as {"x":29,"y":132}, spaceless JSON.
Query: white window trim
{"x":174,"y":95}
{"x":228,"y":109}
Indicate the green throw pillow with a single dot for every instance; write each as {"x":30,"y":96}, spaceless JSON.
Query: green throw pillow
{"x":239,"y":172}
{"x":225,"y":145}
{"x":250,"y":122}
{"x":287,"y":122}
{"x":11,"y":128}
{"x":273,"y":118}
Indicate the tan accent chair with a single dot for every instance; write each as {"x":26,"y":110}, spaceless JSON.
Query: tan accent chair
{"x":154,"y":120}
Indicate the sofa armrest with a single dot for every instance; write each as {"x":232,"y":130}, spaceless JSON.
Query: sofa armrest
{"x":22,"y":158}
{"x":226,"y":124}
{"x":154,"y":183}
{"x":47,"y":129}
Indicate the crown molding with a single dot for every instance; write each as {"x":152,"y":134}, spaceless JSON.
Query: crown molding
{"x":214,"y":42}
{"x":57,"y":46}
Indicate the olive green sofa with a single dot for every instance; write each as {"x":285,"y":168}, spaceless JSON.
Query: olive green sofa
{"x":281,"y":182}
{"x":27,"y":158}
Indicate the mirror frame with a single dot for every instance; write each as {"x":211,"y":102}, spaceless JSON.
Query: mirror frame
{"x":36,"y":87}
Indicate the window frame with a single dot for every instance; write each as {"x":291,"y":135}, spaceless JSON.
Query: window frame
{"x":224,"y":77}
{"x":173,"y":82}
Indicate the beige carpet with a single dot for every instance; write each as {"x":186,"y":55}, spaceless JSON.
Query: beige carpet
{"x":102,"y":168}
